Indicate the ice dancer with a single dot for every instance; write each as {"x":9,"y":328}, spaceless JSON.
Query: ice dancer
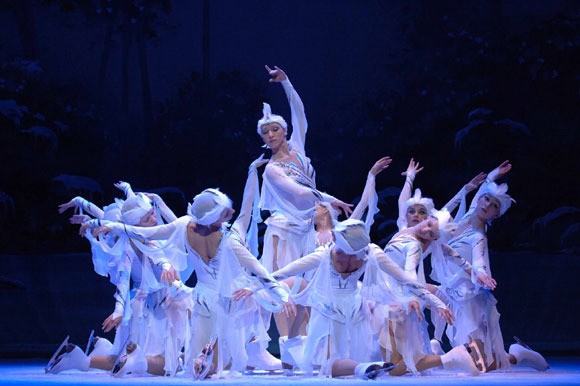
{"x":470,"y":297}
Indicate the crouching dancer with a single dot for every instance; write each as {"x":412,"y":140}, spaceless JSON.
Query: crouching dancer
{"x":225,"y":317}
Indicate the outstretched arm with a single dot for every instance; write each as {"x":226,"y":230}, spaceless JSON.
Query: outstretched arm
{"x":460,"y":196}
{"x":492,"y":176}
{"x":164,"y":210}
{"x":299,"y":123}
{"x":84,"y":206}
{"x":303,"y":264}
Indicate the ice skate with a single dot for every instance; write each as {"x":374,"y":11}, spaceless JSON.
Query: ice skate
{"x":525,"y":356}
{"x":371,"y":370}
{"x":72,"y":358}
{"x":459,"y":358}
{"x":261,"y":359}
{"x":100,"y":347}
{"x":436,"y":347}
{"x":52,"y":360}
{"x":133,"y":362}
{"x":203,"y":364}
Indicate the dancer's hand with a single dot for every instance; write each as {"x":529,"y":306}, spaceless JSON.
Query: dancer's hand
{"x":380,"y":165}
{"x":475,"y":182}
{"x":412,"y":170}
{"x":487,"y":281}
{"x":340,"y":205}
{"x":289,"y":308}
{"x":446,"y":314}
{"x":414,"y":306}
{"x":258,"y":162}
{"x":503,"y":168}
{"x":99,"y":230}
{"x":124,"y":186}
{"x":111,"y":322}
{"x":168,"y":276}
{"x":79,"y":219}
{"x":83,"y":229}
{"x":240,"y":294}
{"x":66,"y":205}
{"x":276,"y":75}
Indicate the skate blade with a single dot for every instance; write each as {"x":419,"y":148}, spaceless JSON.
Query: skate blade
{"x":376,"y":373}
{"x":478,"y":357}
{"x":90,"y":342}
{"x":522,"y":343}
{"x":52,"y":362}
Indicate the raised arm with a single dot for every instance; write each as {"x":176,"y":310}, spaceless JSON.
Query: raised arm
{"x":369,"y":196}
{"x":159,"y":232}
{"x":299,"y":123}
{"x":459,"y":198}
{"x":492,"y":176}
{"x":409,"y":174}
{"x":164,"y":210}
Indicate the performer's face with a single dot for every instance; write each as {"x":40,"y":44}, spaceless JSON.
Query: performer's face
{"x":415,"y":214}
{"x":428,"y":229}
{"x":273,"y":134}
{"x":149,"y":220}
{"x":488,"y":208}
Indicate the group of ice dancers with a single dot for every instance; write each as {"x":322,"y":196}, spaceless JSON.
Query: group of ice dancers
{"x":343,"y":306}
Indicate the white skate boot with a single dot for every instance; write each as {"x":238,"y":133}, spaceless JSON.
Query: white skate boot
{"x":371,"y":370}
{"x":260,"y":358}
{"x":100,"y":347}
{"x":525,"y":356}
{"x":134,"y":362}
{"x":464,"y":357}
{"x":68,"y":357}
{"x":436,"y":347}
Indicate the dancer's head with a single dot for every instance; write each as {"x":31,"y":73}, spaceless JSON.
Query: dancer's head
{"x":137,"y":210}
{"x":272,"y":128}
{"x":438,"y":226}
{"x":417,"y":208}
{"x":351,"y":238}
{"x":211,"y":208}
{"x":324,"y":212}
{"x":493,"y":202}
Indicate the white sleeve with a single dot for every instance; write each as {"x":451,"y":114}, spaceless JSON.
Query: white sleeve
{"x":480,"y":256}
{"x":159,"y":232}
{"x":248,"y":202}
{"x":89,"y":207}
{"x":456,"y":200}
{"x":368,"y":200}
{"x":404,"y":277}
{"x":403,"y":197}
{"x":300,"y":196}
{"x":165,"y":211}
{"x":303,"y":264}
{"x":299,"y":123}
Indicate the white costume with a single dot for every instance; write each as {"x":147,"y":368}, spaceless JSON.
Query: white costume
{"x":215,"y":315}
{"x":474,"y":307}
{"x":154,"y":316}
{"x":340,"y":325}
{"x":289,"y":193}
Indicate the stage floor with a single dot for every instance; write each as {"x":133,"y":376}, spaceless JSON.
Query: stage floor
{"x":564,"y":371}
